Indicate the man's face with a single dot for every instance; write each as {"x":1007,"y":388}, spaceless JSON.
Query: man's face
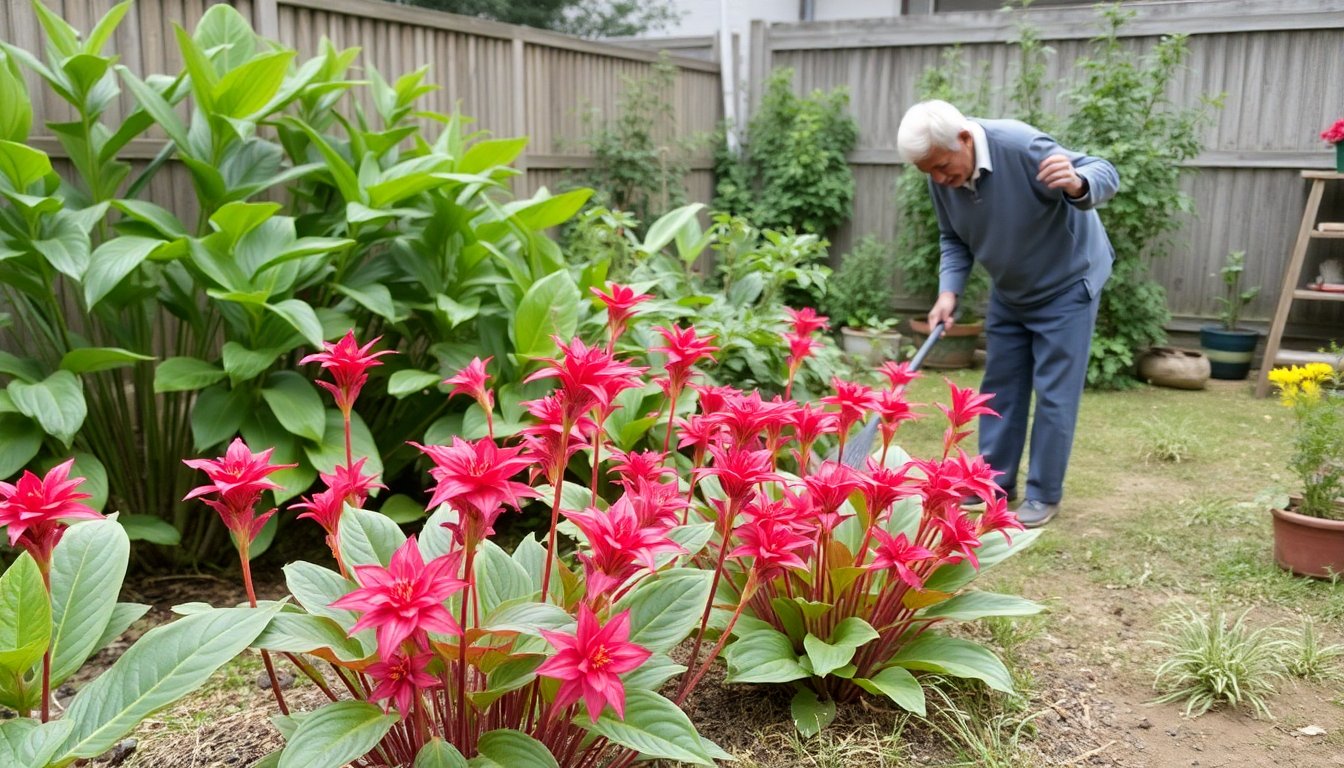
{"x":951,"y":167}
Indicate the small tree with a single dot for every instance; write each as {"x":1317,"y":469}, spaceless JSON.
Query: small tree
{"x":1234,"y":299}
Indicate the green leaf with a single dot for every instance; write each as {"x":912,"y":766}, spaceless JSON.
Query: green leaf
{"x":167,"y":663}
{"x":300,"y":314}
{"x":811,"y":714}
{"x":23,"y":165}
{"x":484,"y":155}
{"x":17,"y":118}
{"x":331,"y":451}
{"x":88,"y":467}
{"x":218,"y":414}
{"x":549,"y":308}
{"x":316,"y":588}
{"x":184,"y":374}
{"x":408,"y":382}
{"x":87,"y":569}
{"x":544,"y":212}
{"x":527,"y":618}
{"x":112,"y":261}
{"x":23,"y":439}
{"x":994,"y":550}
{"x":439,"y":754}
{"x":157,"y":218}
{"x":933,"y":652}
{"x":21,"y":368}
{"x":848,"y":635}
{"x":305,"y":633}
{"x":762,"y":656}
{"x":296,"y":404}
{"x":402,"y":509}
{"x":499,"y":579}
{"x":662,"y":231}
{"x":507,"y":748}
{"x":654,"y":727}
{"x":102,"y":31}
{"x":157,"y":107}
{"x":977,"y":605}
{"x":244,"y":91}
{"x":93,"y":359}
{"x":897,"y":684}
{"x":123,"y":616}
{"x":368,"y":538}
{"x":56,"y":403}
{"x":336,"y":734}
{"x":149,"y":528}
{"x":227,"y":34}
{"x":656,"y":670}
{"x":26,"y":743}
{"x":374,"y":297}
{"x":243,"y":364}
{"x":25,"y":616}
{"x":665,"y":608}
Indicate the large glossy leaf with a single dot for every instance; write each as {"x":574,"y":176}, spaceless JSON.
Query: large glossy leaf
{"x":113,"y":261}
{"x":56,"y":403}
{"x":368,"y":538}
{"x":87,"y":569}
{"x":185,"y":374}
{"x":654,"y":727}
{"x":484,"y":155}
{"x":811,"y":714}
{"x":499,"y":579}
{"x":23,"y":439}
{"x":92,"y":359}
{"x":439,"y":754}
{"x":763,"y":656}
{"x":549,"y":308}
{"x":23,"y":165}
{"x":300,"y":315}
{"x":224,"y":32}
{"x":25,"y":616}
{"x":296,"y":404}
{"x":849,"y":634}
{"x":665,"y":229}
{"x":167,"y":663}
{"x":150,"y":528}
{"x":123,"y":616}
{"x":305,"y":633}
{"x":154,"y":218}
{"x":331,"y":451}
{"x":336,"y":734}
{"x":243,"y":364}
{"x":152,"y":102}
{"x":666,"y":608}
{"x":933,"y":652}
{"x":978,"y":605}
{"x":249,"y":87}
{"x":408,"y":382}
{"x":218,"y":414}
{"x":506,"y":748}
{"x":542,"y":212}
{"x":27,"y":743}
{"x":897,"y":684}
{"x":17,"y":118}
{"x":316,"y":588}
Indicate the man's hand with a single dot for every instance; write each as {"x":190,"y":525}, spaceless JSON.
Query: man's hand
{"x":943,"y":309}
{"x":1058,"y":173}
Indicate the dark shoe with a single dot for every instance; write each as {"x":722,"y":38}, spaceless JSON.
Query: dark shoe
{"x":1034,"y":514}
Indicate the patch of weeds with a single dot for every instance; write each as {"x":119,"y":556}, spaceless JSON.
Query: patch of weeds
{"x":1217,"y":511}
{"x":981,"y":732}
{"x":845,"y":748}
{"x":1211,"y":663}
{"x":1308,"y":659}
{"x":1246,"y":570}
{"x":1167,"y":441}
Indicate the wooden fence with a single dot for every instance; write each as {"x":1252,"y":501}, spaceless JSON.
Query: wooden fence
{"x":513,"y":80}
{"x":1279,"y":62}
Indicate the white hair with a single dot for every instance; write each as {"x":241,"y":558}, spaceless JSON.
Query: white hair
{"x":926,"y":126}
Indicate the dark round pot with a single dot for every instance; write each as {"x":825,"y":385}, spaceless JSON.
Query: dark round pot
{"x":1229,"y":352}
{"x":956,"y":348}
{"x":1308,"y":546}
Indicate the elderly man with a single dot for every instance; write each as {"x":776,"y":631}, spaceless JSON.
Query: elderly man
{"x":1010,"y":197}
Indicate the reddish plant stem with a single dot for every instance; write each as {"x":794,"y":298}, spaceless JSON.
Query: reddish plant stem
{"x":748,"y":590}
{"x":726,"y":523}
{"x":558,"y":481}
{"x":45,"y":569}
{"x":244,"y":543}
{"x":462,"y":644}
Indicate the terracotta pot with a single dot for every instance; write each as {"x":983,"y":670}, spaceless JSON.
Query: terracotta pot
{"x":1308,"y":546}
{"x":1174,"y":367}
{"x":872,"y":347}
{"x":956,"y":348}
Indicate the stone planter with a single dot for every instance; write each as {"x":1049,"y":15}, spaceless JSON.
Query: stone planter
{"x":1174,"y":367}
{"x":1308,"y":546}
{"x":956,"y":348}
{"x":872,"y":347}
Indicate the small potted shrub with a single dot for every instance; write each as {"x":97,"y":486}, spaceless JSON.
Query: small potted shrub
{"x":1228,"y":347}
{"x":859,"y":295}
{"x":1309,"y":529}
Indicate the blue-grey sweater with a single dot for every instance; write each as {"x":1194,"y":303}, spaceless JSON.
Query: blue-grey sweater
{"x":1033,"y":241}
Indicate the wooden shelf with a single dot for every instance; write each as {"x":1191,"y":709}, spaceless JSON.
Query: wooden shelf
{"x":1306,"y":294}
{"x":1302,"y":357}
{"x":1316,"y":233}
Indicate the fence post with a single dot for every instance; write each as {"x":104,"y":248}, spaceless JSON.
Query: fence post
{"x":520,"y":102}
{"x":267,"y":14}
{"x":759,"y":67}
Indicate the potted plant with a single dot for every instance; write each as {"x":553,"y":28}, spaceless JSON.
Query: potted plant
{"x":1228,"y":347}
{"x":1309,"y":529}
{"x":859,"y":295}
{"x":1335,"y":135}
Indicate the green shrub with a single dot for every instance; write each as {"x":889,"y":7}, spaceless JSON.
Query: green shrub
{"x":139,"y":338}
{"x":792,"y":172}
{"x":1210,"y":663}
{"x":859,"y":293}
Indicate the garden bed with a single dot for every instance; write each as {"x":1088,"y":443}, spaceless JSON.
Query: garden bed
{"x":1139,"y":537}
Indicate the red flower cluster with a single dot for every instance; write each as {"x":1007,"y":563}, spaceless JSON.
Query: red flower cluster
{"x":1335,"y":133}
{"x":237,"y":480}
{"x":348,"y":363}
{"x":37,"y":510}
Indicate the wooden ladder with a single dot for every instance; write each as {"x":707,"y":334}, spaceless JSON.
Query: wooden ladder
{"x":1293,"y":290}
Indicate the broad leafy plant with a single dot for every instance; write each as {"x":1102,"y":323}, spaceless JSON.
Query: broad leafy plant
{"x":142,"y":333}
{"x":58,"y":606}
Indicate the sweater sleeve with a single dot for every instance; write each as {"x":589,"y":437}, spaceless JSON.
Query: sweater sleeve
{"x":1102,"y":179}
{"x":955,"y":264}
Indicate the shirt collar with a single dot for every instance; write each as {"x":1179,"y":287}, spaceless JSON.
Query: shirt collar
{"x":982,"y":161}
